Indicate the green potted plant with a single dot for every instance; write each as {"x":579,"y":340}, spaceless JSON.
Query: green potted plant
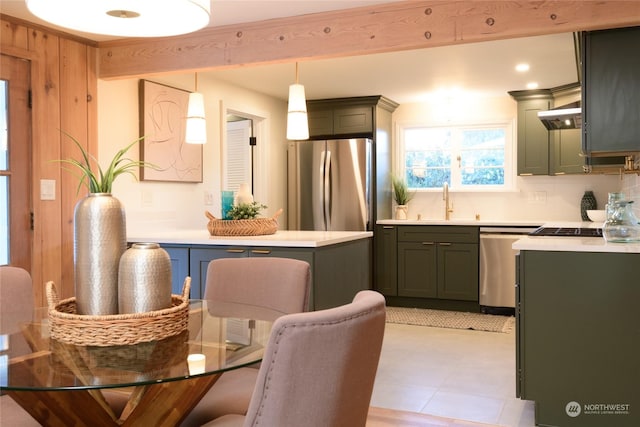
{"x":101,"y":181}
{"x":245,"y":210}
{"x":401,"y":195}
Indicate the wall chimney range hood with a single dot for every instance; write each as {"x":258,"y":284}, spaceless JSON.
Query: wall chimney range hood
{"x":566,"y":117}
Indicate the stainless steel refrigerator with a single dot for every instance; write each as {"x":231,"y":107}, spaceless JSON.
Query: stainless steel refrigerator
{"x":329,"y":185}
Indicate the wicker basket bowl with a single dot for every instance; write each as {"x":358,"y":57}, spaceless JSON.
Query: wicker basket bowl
{"x":66,"y":326}
{"x":242,"y":227}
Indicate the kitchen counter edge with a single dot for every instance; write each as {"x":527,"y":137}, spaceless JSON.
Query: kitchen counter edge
{"x":574,"y":244}
{"x":282,"y":238}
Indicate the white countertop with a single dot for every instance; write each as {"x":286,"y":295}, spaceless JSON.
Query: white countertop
{"x":282,"y":238}
{"x":574,"y":244}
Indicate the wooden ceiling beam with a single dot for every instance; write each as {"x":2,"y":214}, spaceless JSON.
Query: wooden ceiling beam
{"x":366,"y":30}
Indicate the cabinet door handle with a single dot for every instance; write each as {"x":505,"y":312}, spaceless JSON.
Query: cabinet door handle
{"x":428,"y":243}
{"x":445,"y":244}
{"x":388,"y":227}
{"x":260,"y":251}
{"x":235,"y":251}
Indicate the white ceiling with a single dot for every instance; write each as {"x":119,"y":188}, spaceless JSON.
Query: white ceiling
{"x":484,"y":69}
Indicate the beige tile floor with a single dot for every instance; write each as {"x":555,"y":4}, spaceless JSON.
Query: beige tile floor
{"x":461,"y":374}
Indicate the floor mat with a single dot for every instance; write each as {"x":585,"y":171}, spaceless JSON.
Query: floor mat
{"x":450,"y":319}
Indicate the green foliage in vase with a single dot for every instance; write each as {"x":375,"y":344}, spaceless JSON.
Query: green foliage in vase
{"x":401,"y":193}
{"x":245,"y":210}
{"x":101,"y":181}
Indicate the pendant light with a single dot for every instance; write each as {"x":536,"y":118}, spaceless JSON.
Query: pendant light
{"x":196,"y":131}
{"x":297,"y":123}
{"x":125,"y":18}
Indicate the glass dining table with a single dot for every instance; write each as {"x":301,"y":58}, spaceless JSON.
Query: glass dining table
{"x":160,"y":382}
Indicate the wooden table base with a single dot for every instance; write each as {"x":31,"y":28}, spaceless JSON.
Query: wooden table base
{"x":158,"y":404}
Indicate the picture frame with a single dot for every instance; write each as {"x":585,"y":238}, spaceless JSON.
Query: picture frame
{"x":163,"y":112}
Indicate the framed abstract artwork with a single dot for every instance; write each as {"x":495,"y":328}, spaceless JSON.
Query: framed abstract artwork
{"x":163,"y":112}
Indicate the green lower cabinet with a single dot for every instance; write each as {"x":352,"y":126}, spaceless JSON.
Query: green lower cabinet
{"x":438,"y":270}
{"x":200,"y":258}
{"x":578,"y":337}
{"x":179,"y":256}
{"x":199,"y":262}
{"x":458,"y":271}
{"x":428,"y":266}
{"x":338,"y":271}
{"x":386,"y":262}
{"x":417,"y":270}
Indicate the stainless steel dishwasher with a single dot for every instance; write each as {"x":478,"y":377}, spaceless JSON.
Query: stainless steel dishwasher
{"x":498,"y":268}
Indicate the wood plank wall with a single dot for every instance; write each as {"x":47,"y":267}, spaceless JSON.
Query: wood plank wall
{"x":64,"y":72}
{"x":64,"y":89}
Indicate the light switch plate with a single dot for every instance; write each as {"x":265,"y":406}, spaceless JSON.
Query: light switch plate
{"x":47,"y":189}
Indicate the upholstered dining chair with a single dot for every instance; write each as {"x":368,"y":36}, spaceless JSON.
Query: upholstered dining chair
{"x":16,"y":306}
{"x":255,"y":288}
{"x":16,"y":298}
{"x":319,"y":368}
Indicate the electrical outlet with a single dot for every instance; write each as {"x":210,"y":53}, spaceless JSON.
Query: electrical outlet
{"x":537,"y":197}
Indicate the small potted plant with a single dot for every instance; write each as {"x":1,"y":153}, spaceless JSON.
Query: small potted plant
{"x":402,"y":196}
{"x":245,"y":210}
{"x":242,"y":219}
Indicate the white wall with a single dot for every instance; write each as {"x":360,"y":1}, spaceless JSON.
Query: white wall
{"x":166,"y":206}
{"x":535,"y":197}
{"x":169,"y":205}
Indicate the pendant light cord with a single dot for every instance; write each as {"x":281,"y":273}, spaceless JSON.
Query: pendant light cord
{"x":196,"y":81}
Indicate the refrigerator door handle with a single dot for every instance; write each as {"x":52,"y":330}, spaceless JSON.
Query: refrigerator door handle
{"x":327,"y":191}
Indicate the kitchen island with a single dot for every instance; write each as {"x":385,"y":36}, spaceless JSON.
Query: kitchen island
{"x":578,"y":330}
{"x":340,"y":260}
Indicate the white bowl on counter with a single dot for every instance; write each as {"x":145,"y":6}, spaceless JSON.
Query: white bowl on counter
{"x":596,"y":215}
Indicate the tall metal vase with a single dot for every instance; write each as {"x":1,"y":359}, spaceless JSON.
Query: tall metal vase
{"x":100,"y":239}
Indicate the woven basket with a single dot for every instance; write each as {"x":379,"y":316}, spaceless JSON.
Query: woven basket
{"x":242,"y":227}
{"x":116,"y":329}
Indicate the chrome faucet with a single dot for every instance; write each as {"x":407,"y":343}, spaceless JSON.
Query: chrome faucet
{"x":448,"y":208}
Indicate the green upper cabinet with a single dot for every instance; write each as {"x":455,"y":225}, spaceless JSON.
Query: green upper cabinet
{"x":540,"y":151}
{"x":611,"y":93}
{"x":340,"y":121}
{"x":566,"y":146}
{"x":533,"y":137}
{"x":356,"y":117}
{"x":320,"y":121}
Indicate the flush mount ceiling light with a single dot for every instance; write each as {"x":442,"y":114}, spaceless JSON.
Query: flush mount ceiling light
{"x":196,"y":129}
{"x":297,"y":122}
{"x":125,"y":18}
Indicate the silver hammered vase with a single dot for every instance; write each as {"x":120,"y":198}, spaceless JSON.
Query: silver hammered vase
{"x":144,"y":280}
{"x":100,"y":239}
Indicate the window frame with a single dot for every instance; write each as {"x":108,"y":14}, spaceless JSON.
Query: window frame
{"x":510,"y":153}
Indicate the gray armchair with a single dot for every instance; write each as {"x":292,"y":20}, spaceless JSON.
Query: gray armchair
{"x":319,"y":368}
